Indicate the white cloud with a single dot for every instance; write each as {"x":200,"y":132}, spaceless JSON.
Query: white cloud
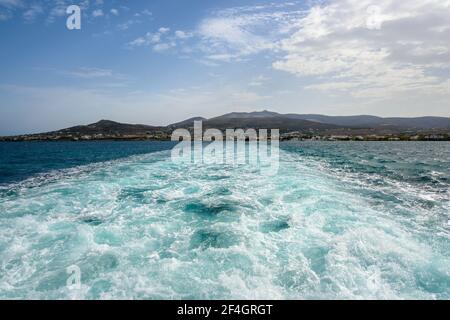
{"x":97,"y":13}
{"x":114,"y":12}
{"x":365,"y":48}
{"x":154,"y":39}
{"x":334,"y":45}
{"x":90,"y":73}
{"x":337,"y":47}
{"x":233,"y":34}
{"x":145,"y":12}
{"x":57,"y":8}
{"x":243,"y":31}
{"x":163,"y":46}
{"x":11,"y":3}
{"x":163,"y":30}
{"x":229,"y":36}
{"x":224,"y":57}
{"x":148,"y":39}
{"x":141,"y":41}
{"x":183,"y":34}
{"x":32,"y":12}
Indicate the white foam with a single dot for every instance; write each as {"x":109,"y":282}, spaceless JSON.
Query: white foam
{"x":337,"y":243}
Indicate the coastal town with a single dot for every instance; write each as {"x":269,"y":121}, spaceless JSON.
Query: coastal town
{"x":298,"y":136}
{"x":289,"y":136}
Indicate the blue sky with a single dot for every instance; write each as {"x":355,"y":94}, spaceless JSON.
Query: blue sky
{"x":157,"y":62}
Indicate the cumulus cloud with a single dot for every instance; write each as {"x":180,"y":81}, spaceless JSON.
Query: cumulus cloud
{"x":349,"y":45}
{"x":159,"y":40}
{"x":163,"y":30}
{"x":183,"y":34}
{"x":365,"y":48}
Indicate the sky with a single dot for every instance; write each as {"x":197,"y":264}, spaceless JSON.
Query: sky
{"x":162,"y":61}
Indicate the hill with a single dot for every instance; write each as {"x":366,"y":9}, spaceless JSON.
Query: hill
{"x":365,"y":121}
{"x":299,"y":124}
{"x":107,"y":127}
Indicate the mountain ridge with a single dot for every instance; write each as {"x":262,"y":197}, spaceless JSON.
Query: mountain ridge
{"x":304,"y":123}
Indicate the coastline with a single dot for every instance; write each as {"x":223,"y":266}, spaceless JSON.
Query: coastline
{"x":444,"y":138}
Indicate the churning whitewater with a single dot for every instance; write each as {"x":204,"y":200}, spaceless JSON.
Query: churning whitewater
{"x":339,"y":220}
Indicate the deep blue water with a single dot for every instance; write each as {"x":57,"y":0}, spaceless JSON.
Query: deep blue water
{"x":21,"y":160}
{"x":344,"y":220}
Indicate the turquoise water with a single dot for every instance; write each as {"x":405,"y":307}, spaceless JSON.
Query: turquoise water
{"x":339,"y":221}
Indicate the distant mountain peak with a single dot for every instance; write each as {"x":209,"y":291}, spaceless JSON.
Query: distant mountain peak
{"x":253,"y":114}
{"x":103,"y":122}
{"x":187,"y":122}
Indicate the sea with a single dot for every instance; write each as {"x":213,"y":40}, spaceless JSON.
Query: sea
{"x":121,"y":220}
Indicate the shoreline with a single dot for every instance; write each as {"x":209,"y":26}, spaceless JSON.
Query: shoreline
{"x":168,"y":140}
